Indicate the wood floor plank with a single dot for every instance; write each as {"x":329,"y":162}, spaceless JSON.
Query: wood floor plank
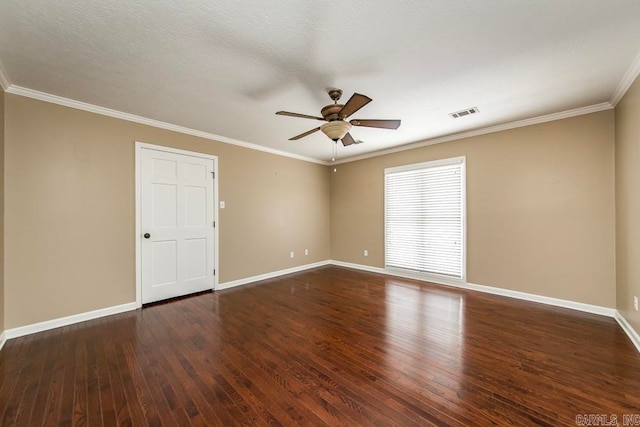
{"x":207,"y":387}
{"x":328,"y":346}
{"x":30,"y":382}
{"x":9,"y":389}
{"x":107,"y":405}
{"x":120,"y":403}
{"x":50,"y":357}
{"x":285,"y":341}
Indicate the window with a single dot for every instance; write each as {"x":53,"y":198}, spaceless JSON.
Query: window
{"x":425,"y":227}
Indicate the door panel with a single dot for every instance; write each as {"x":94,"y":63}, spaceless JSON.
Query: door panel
{"x":177,"y":211}
{"x":195,"y":171}
{"x":164,"y":168}
{"x":164,"y":198}
{"x":164,"y":257}
{"x":196,"y":267}
{"x":194,"y":206}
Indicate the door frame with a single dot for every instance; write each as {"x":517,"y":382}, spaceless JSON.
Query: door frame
{"x":139,"y":146}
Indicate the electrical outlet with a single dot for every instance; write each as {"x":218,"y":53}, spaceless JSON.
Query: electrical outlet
{"x":366,"y":252}
{"x":292,"y":254}
{"x":306,"y":251}
{"x":635,"y":303}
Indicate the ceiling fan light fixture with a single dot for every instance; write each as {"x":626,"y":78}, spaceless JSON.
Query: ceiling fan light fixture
{"x":335,"y":115}
{"x":336,"y":129}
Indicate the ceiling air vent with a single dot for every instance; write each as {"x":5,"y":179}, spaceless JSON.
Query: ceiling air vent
{"x":467,"y":112}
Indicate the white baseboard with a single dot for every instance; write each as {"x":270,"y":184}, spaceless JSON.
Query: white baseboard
{"x":69,"y":320}
{"x":358,"y":267}
{"x":247,"y":280}
{"x":401,"y":273}
{"x":76,"y":318}
{"x":595,"y":309}
{"x":628,"y":329}
{"x":604,"y":311}
{"x":588,"y":308}
{"x":573,"y":305}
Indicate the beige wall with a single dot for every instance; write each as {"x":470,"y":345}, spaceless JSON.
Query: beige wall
{"x":628,"y":203}
{"x":1,"y":210}
{"x":540,"y":207}
{"x":70,"y":209}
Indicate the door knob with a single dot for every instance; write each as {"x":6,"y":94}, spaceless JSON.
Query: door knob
{"x":147,"y":235}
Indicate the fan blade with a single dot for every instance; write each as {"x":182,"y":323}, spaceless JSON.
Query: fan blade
{"x":356,"y":102}
{"x":347,"y":140}
{"x":302,"y":116}
{"x":302,"y":135}
{"x":384,"y":124}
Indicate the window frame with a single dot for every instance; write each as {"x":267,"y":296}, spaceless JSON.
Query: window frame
{"x":462,"y":160}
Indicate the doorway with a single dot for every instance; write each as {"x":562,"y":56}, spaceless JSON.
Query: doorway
{"x":176,"y":222}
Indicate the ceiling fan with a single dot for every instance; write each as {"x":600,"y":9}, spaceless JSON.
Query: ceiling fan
{"x":335,"y":114}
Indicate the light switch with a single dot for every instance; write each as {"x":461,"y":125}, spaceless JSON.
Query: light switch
{"x":222,"y":204}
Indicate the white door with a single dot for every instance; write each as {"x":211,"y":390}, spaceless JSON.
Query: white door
{"x":177,"y":224}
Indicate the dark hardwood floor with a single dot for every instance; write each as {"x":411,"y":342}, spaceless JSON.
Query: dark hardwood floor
{"x":329,"y":346}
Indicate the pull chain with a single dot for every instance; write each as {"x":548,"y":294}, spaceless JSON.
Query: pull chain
{"x":335,"y":153}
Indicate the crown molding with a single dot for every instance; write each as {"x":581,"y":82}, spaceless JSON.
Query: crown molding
{"x":483,"y":131}
{"x":4,"y":80}
{"x":628,"y":79}
{"x":42,"y":96}
{"x":626,"y":82}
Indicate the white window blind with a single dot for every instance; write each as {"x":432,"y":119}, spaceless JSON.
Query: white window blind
{"x":425,"y":217}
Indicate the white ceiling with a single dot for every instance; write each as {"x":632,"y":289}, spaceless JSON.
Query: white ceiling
{"x":226,"y":67}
